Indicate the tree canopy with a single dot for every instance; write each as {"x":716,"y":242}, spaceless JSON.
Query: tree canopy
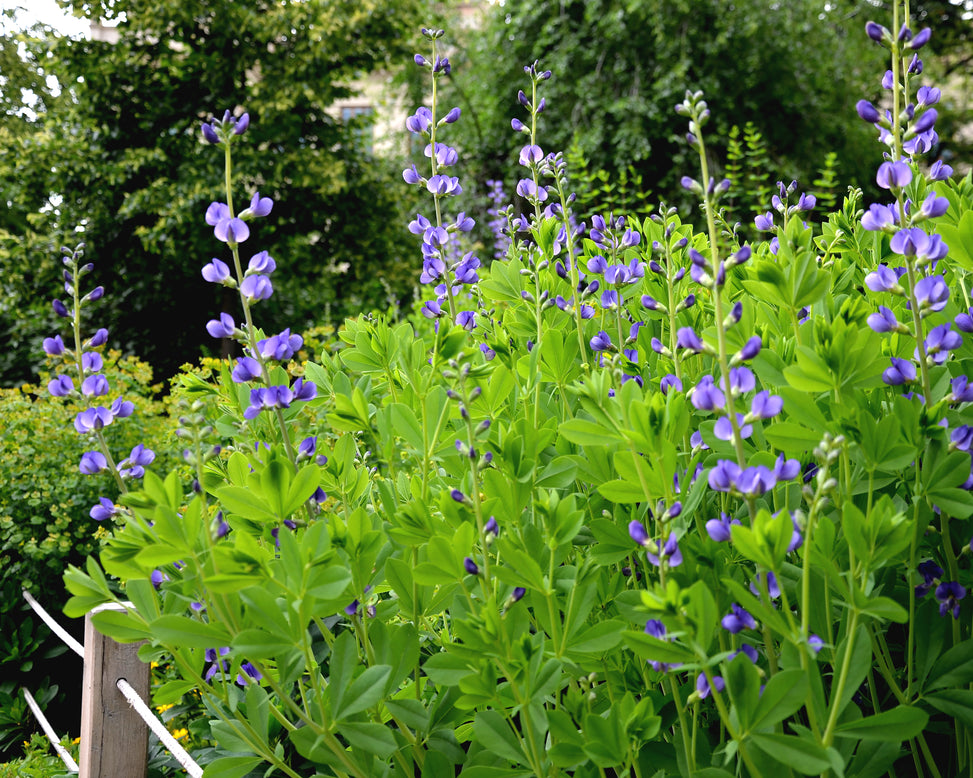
{"x":794,"y":69}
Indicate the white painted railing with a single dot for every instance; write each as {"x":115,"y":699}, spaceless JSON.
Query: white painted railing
{"x":114,"y":717}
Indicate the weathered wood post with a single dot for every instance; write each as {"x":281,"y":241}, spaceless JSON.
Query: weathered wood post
{"x":114,"y":739}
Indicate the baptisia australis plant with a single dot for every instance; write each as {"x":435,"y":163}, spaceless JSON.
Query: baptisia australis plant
{"x":82,"y":357}
{"x":633,"y":498}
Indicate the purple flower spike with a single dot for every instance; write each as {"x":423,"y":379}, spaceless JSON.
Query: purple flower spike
{"x":940,"y":341}
{"x":668,"y":382}
{"x":231,"y":231}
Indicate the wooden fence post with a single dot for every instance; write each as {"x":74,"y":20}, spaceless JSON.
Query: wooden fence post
{"x":114,"y":739}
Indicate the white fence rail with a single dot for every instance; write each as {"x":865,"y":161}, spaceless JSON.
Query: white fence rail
{"x":114,"y":717}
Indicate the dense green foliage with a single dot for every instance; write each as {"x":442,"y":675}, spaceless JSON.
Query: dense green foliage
{"x":117,"y":152}
{"x":44,"y":521}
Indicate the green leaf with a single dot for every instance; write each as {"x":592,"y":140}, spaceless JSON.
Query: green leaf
{"x":121,"y":627}
{"x":493,"y":732}
{"x":782,"y":696}
{"x":588,"y":433}
{"x":258,"y":644}
{"x":957,"y":703}
{"x":366,"y":691}
{"x":655,"y":650}
{"x":446,"y":669}
{"x":802,"y":756}
{"x":243,"y":502}
{"x":599,"y":638}
{"x":954,"y":668}
{"x":622,"y":491}
{"x":231,"y":766}
{"x":184,"y":631}
{"x":370,"y":738}
{"x":896,"y":725}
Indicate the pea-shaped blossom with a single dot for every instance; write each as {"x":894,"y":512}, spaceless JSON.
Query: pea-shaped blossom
{"x":741,"y":381}
{"x":728,"y":476}
{"x":879,"y":218}
{"x":54,"y":347}
{"x":246,"y":369}
{"x":216,"y":271}
{"x":669,"y":551}
{"x":92,"y":362}
{"x":719,"y":529}
{"x":724,"y":429}
{"x":765,"y":405}
{"x":962,"y":390}
{"x":256,"y":287}
{"x":104,"y":509}
{"x":601,"y":342}
{"x":259,"y":206}
{"x":933,"y":206}
{"x":229,"y":230}
{"x":261,"y":262}
{"x":703,"y":687}
{"x":932,"y":293}
{"x":92,"y":462}
{"x":914,"y":242}
{"x":883,"y":279}
{"x":893,"y":175}
{"x":939,"y":342}
{"x":92,"y":419}
{"x":224,"y":327}
{"x":705,"y":396}
{"x":60,"y":386}
{"x":95,"y":386}
{"x":280,"y":347}
{"x":884,"y":320}
{"x":133,"y":466}
{"x":901,"y":372}
{"x":949,"y":595}
{"x":738,"y":620}
{"x":655,"y":628}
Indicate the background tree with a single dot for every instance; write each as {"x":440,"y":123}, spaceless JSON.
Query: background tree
{"x":116,"y":152}
{"x":793,"y":69}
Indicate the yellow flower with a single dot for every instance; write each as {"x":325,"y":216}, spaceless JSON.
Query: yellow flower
{"x":179,"y":734}
{"x":164,"y":708}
